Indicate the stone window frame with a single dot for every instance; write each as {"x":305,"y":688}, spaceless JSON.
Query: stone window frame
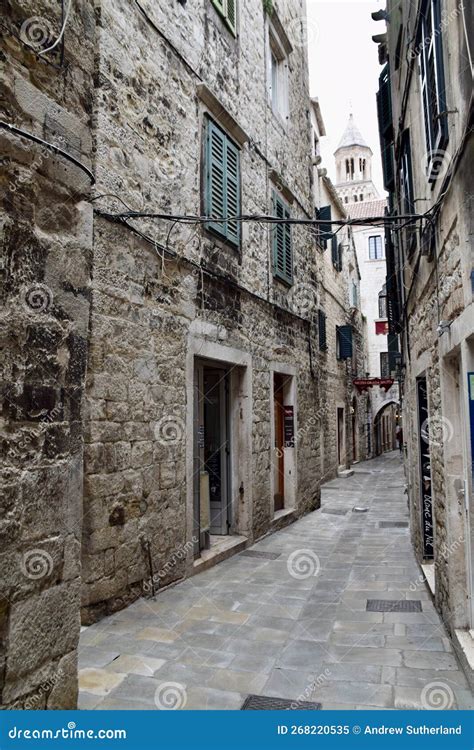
{"x":278,"y":48}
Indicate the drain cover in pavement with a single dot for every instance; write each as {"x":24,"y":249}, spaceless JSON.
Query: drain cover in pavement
{"x":393,"y":524}
{"x":392,"y":605}
{"x":260,"y":553}
{"x":357,"y":509}
{"x":267,"y":703}
{"x":334,"y":511}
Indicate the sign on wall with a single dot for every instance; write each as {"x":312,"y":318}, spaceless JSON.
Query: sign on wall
{"x":289,"y":426}
{"x":425,"y":470}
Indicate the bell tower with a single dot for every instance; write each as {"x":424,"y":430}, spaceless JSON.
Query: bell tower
{"x":354,"y":167}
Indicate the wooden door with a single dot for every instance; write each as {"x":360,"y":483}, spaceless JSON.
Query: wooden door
{"x":279,"y":457}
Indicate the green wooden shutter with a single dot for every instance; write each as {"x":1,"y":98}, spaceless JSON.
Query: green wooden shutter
{"x":282,"y":250}
{"x":215,"y":177}
{"x":230,"y":13}
{"x":325,"y":230}
{"x":322,"y":330}
{"x":222,"y":184}
{"x":232,"y":192}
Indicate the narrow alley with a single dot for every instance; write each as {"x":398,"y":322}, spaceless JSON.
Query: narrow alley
{"x":303,"y":615}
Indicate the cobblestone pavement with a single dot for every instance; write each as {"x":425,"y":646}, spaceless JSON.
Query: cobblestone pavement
{"x":293,"y":624}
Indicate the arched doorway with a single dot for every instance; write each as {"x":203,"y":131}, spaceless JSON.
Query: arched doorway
{"x":385,"y":424}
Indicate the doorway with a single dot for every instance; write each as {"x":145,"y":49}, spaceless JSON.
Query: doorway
{"x":212,"y":453}
{"x":340,"y":436}
{"x":279,"y":454}
{"x":354,"y":430}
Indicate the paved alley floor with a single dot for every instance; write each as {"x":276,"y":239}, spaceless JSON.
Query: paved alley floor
{"x":291,"y":622}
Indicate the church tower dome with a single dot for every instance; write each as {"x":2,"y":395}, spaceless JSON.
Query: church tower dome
{"x":354,"y":166}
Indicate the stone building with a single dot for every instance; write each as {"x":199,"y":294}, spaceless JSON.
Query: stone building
{"x":343,"y":410}
{"x":162,"y":368}
{"x":362,"y":201}
{"x":425,"y":120}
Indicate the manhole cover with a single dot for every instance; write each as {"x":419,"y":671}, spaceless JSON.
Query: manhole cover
{"x":393,"y":524}
{"x":260,"y":553}
{"x":334,"y":511}
{"x":392,"y":605}
{"x":268,"y":703}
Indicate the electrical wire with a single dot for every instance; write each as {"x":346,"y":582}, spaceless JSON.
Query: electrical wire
{"x":63,"y":28}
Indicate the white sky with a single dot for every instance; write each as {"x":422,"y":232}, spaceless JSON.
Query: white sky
{"x":344,"y":71}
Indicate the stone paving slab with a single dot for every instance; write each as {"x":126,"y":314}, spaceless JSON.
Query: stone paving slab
{"x":250,"y":625}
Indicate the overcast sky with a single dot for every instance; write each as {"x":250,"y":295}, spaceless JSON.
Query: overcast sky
{"x":344,"y":71}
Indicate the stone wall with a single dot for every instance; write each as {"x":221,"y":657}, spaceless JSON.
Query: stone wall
{"x":160,"y":72}
{"x":45,"y":269}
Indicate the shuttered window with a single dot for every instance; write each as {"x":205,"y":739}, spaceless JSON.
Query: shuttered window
{"x":344,"y":342}
{"x":322,"y":330}
{"x":432,"y":82}
{"x":325,"y":230}
{"x":228,"y":10}
{"x":336,"y":253}
{"x":222,"y":184}
{"x":281,"y":237}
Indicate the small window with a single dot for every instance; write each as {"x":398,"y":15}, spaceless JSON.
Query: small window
{"x":228,"y":11}
{"x":383,"y":302}
{"x":384,"y":365}
{"x":282,"y":248}
{"x":344,"y":342}
{"x":278,"y":75}
{"x":376,"y":247}
{"x":222,"y":183}
{"x":361,"y":196}
{"x":322,"y":331}
{"x":336,"y":253}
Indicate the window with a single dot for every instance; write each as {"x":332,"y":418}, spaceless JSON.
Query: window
{"x":325,"y":230}
{"x":344,"y":342}
{"x":383,"y":302}
{"x":384,"y":365}
{"x":353,"y":294}
{"x":432,"y":80}
{"x":278,"y":74}
{"x":322,"y":330}
{"x":228,"y":11}
{"x":361,"y":197}
{"x":376,"y":247}
{"x":282,"y":249}
{"x":222,"y":183}
{"x":336,"y":253}
{"x":406,"y":179}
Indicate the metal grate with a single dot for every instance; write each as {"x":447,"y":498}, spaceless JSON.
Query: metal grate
{"x":334,"y":511}
{"x":261,"y":553}
{"x":393,"y":524}
{"x":268,"y":703}
{"x":392,"y":605}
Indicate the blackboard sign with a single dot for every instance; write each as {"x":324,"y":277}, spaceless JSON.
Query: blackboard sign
{"x":425,"y":470}
{"x":289,"y":426}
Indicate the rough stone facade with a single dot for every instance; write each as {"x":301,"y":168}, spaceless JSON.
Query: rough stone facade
{"x":46,"y":268}
{"x":435,"y":304}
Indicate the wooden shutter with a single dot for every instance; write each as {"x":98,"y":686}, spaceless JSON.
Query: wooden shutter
{"x":282,"y":250}
{"x":344,"y":334}
{"x":432,"y":79}
{"x":232,"y":193}
{"x":325,"y":230}
{"x":222,"y":188}
{"x":322,"y":330}
{"x":230,"y":13}
{"x":215,"y":177}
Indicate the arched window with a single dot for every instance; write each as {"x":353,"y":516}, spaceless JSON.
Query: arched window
{"x":362,"y":196}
